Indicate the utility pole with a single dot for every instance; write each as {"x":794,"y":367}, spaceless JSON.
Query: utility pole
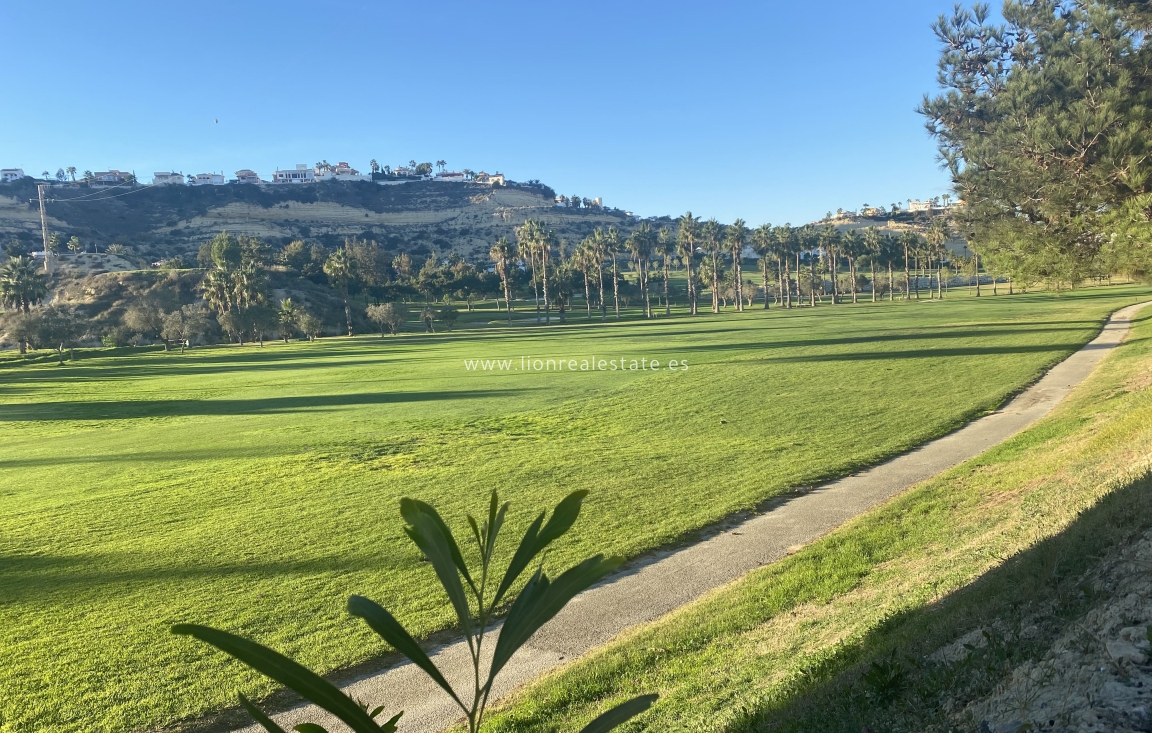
{"x":40,"y":188}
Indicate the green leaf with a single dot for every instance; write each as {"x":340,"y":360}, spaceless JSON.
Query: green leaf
{"x":310,"y":728}
{"x":620,"y":714}
{"x":308,"y":684}
{"x":412,"y":506}
{"x":390,"y":726}
{"x":427,"y":537}
{"x":259,"y":716}
{"x":536,"y":539}
{"x":540,"y":601}
{"x":389,"y":629}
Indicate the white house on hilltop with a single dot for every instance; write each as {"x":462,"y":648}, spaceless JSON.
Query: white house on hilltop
{"x":450,"y":176}
{"x":494,"y":179}
{"x":208,"y":179}
{"x":167,"y":178}
{"x":7,"y":175}
{"x":247,"y":176}
{"x":340,"y":172}
{"x":300,"y":174}
{"x":109,"y":178}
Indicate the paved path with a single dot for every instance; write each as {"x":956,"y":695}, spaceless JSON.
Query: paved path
{"x":661,"y":582}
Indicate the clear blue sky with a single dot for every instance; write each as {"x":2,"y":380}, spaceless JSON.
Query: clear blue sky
{"x":771,"y":111}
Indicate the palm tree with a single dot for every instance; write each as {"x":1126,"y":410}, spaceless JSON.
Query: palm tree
{"x":712,"y":242}
{"x":582,"y":259}
{"x":908,"y":242}
{"x":853,"y":248}
{"x":287,"y":317}
{"x":599,"y":252}
{"x":686,"y":235}
{"x":764,"y":244}
{"x":786,"y":248}
{"x":829,"y":239}
{"x":664,"y":249}
{"x":641,"y":244}
{"x":533,"y":243}
{"x":503,"y":254}
{"x":735,"y":238}
{"x":372,"y":164}
{"x":71,"y":171}
{"x":872,"y":246}
{"x":74,"y":245}
{"x":217,"y":289}
{"x":938,"y":234}
{"x":441,"y":165}
{"x":612,"y":248}
{"x":341,"y":271}
{"x":22,"y":284}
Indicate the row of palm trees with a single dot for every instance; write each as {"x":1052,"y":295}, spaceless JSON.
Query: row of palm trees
{"x":706,"y":249}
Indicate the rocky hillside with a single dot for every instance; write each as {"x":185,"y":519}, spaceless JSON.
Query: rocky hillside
{"x":161,"y":222}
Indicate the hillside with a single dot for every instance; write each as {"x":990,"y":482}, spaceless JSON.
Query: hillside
{"x":165,"y":221}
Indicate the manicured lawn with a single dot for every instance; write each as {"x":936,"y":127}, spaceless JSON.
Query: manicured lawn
{"x":1000,"y":543}
{"x":255,"y":489}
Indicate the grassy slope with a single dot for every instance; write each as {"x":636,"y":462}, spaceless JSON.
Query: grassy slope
{"x":255,"y":489}
{"x":836,"y":637}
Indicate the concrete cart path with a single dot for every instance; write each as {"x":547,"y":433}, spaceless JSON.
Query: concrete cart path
{"x":661,"y":582}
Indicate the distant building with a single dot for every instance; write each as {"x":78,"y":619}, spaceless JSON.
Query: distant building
{"x":450,"y":176}
{"x":7,"y":175}
{"x":404,"y":172}
{"x":492,"y":179}
{"x":247,"y":176}
{"x":598,"y":202}
{"x":301,"y":174}
{"x":208,"y":179}
{"x":167,"y":179}
{"x":109,"y":178}
{"x":339,"y":172}
{"x":914,"y":205}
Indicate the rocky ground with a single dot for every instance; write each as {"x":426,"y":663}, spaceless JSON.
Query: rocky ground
{"x":1096,"y":676}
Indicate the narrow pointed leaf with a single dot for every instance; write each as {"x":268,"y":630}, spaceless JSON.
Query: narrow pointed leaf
{"x":520,"y":560}
{"x":389,"y":629}
{"x":540,"y":601}
{"x":536,"y":539}
{"x":310,"y":728}
{"x":412,"y":506}
{"x":304,"y":681}
{"x":428,"y":538}
{"x":620,"y":714}
{"x":258,"y":715}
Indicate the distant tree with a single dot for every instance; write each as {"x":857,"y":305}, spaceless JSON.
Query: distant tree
{"x":22,"y":284}
{"x":184,"y":325}
{"x":764,"y":245}
{"x":427,"y":316}
{"x":226,"y":252}
{"x":71,"y":171}
{"x":144,"y":318}
{"x":873,"y":249}
{"x":288,"y":317}
{"x":374,"y":166}
{"x":440,"y":164}
{"x":641,"y":244}
{"x":388,"y":315}
{"x":402,"y":265}
{"x":341,"y":273}
{"x":448,"y":315}
{"x":687,"y":235}
{"x":53,"y":243}
{"x":504,"y":254}
{"x":612,"y":249}
{"x":310,"y":325}
{"x":58,"y":328}
{"x":260,"y":321}
{"x":74,"y":245}
{"x":712,"y":242}
{"x":735,"y":237}
{"x":665,"y":249}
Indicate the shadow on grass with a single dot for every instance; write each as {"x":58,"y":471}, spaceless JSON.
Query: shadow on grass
{"x":1041,"y":587}
{"x":126,"y":410}
{"x":36,"y":577}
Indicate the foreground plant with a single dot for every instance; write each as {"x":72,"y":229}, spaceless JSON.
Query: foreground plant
{"x":475,"y":604}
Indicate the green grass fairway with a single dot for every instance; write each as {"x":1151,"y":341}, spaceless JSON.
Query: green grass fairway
{"x":255,"y":489}
{"x":999,"y":543}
